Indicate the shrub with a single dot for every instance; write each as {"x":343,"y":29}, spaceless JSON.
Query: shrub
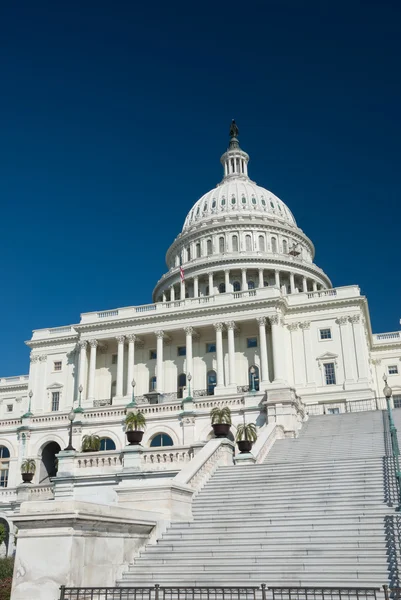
{"x":28,"y":466}
{"x":220,"y":416}
{"x":135,"y":421}
{"x":90,"y":443}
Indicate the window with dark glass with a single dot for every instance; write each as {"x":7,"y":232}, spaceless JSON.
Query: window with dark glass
{"x":4,"y":465}
{"x":160,"y":440}
{"x":152,"y":384}
{"x":211,"y":382}
{"x":152,"y":354}
{"x":211,"y":347}
{"x":182,"y":350}
{"x":325,"y":334}
{"x":236,"y":286}
{"x":181,"y":384}
{"x":254,"y":378}
{"x":107,"y":444}
{"x":252,"y":342}
{"x":222,"y":288}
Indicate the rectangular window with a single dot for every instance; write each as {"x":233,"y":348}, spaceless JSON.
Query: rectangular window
{"x":9,"y":408}
{"x":57,"y":365}
{"x":397,"y":400}
{"x":329,"y":373}
{"x":3,"y":477}
{"x":152,"y":354}
{"x":325,"y":334}
{"x":114,"y":359}
{"x":392,"y":369}
{"x":55,"y":400}
{"x":211,"y":347}
{"x":182,"y":350}
{"x":252,"y":342}
{"x":333,"y":411}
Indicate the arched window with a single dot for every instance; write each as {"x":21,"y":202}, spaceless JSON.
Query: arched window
{"x":274,"y":245}
{"x":209,"y":247}
{"x":254,"y":378}
{"x":236,"y":286}
{"x":107,"y":444}
{"x":222,"y":288}
{"x":181,"y":384}
{"x":211,"y":382}
{"x":251,"y":285}
{"x":285,"y":247}
{"x":4,"y":465}
{"x":221,"y":245}
{"x":248,"y":243}
{"x":160,"y":440}
{"x":198,"y":250}
{"x":152,"y":384}
{"x":235,"y":243}
{"x":262,"y":243}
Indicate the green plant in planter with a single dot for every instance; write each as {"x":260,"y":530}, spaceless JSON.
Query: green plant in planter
{"x":246,"y":432}
{"x":28,"y":466}
{"x":90,"y":443}
{"x":135,"y":421}
{"x":220,"y":416}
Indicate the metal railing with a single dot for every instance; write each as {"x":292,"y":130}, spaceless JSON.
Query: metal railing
{"x":395,"y":450}
{"x":261,"y":592}
{"x":164,"y":593}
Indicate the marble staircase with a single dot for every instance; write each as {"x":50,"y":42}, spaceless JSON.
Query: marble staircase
{"x":312,"y":514}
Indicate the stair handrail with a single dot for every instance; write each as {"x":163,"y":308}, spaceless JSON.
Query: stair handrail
{"x":395,"y":449}
{"x":217,"y":452}
{"x":266,"y":439}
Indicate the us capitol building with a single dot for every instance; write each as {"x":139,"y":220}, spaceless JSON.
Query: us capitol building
{"x":243,"y":317}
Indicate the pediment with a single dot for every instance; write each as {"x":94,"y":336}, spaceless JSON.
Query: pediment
{"x":327,"y":356}
{"x":55,"y":385}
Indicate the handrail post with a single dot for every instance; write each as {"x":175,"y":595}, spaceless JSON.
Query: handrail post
{"x":385,"y":589}
{"x":62,"y":590}
{"x":394,"y":439}
{"x":263,"y":591}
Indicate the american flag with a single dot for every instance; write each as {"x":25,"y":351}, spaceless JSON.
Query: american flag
{"x":182,"y":274}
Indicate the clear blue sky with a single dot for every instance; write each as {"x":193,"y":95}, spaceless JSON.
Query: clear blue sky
{"x":114,"y":116}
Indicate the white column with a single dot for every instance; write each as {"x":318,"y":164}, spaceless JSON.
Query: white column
{"x":231,"y":353}
{"x":348,"y":356}
{"x":219,"y":354}
{"x":308,"y":353}
{"x":211,"y":289}
{"x":292,"y":283}
{"x":82,"y":366}
{"x":196,"y":287}
{"x":260,"y":278}
{"x":182,"y":290}
{"x":263,"y":350}
{"x":164,"y":296}
{"x":159,"y":364}
{"x":33,"y":377}
{"x":244,"y":285}
{"x":92,"y":369}
{"x":227,"y":279}
{"x":172,"y":293}
{"x":304,"y":284}
{"x":277,"y":278}
{"x":120,"y":366}
{"x":278,"y":349}
{"x":188,"y":343}
{"x":131,"y":361}
{"x":314,"y":286}
{"x":360,"y":347}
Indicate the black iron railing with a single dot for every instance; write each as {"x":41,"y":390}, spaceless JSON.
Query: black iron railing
{"x":392,"y":593}
{"x":323,"y":593}
{"x":261,"y":592}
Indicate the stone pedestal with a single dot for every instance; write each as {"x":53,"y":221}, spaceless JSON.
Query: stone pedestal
{"x":244,"y":458}
{"x":75,"y":544}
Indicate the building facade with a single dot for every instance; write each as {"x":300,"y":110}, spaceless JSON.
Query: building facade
{"x":243,"y":310}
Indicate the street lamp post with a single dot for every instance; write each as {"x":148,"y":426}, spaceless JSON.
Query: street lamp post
{"x":71,"y":417}
{"x":79,"y":408}
{"x":132,"y":404}
{"x":252,"y":372}
{"x":29,"y":413}
{"x":387,"y":391}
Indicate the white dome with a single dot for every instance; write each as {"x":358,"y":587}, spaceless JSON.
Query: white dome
{"x":236,"y":196}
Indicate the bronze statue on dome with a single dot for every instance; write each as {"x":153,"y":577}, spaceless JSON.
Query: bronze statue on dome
{"x":234,"y":131}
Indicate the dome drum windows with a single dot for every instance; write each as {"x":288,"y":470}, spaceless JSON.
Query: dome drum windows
{"x":248,"y":243}
{"x":274,"y":245}
{"x":234,"y":242}
{"x":221,"y":245}
{"x":209,"y":247}
{"x":262,"y":246}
